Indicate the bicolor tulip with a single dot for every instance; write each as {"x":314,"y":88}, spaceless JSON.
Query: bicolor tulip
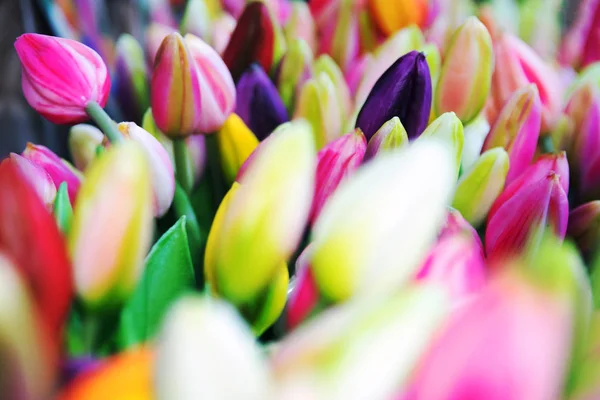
{"x":335,"y":162}
{"x":204,"y":347}
{"x":61,"y":76}
{"x":161,"y":167}
{"x":340,"y":36}
{"x":301,"y":25}
{"x":304,"y":297}
{"x":25,"y":223}
{"x":536,"y":199}
{"x":466,"y":74}
{"x":375,"y":251}
{"x":390,"y":136}
{"x":319,"y":105}
{"x":579,"y":47}
{"x":404,"y":90}
{"x":517,"y":130}
{"x":58,"y":169}
{"x":393,"y":15}
{"x":480,"y":185}
{"x":84,"y":140}
{"x":584,"y":227}
{"x":236,"y":142}
{"x":131,"y":82}
{"x":155,"y":34}
{"x":342,"y":336}
{"x":258,"y":102}
{"x":447,"y":127}
{"x":475,"y":134}
{"x":326,"y":64}
{"x":112,"y":226}
{"x":37,"y":178}
{"x":295,"y":69}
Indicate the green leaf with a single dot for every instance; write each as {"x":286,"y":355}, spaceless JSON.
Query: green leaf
{"x":63,"y":212}
{"x":168,"y":274}
{"x":183,"y":207}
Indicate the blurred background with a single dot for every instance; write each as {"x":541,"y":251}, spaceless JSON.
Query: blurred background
{"x":19,"y":124}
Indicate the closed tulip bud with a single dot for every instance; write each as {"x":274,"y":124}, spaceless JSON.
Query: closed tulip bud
{"x":326,"y":64}
{"x":198,"y":17}
{"x":375,"y":251}
{"x":390,"y":136}
{"x":236,"y":142}
{"x":404,"y":90}
{"x":204,"y":346}
{"x":61,"y":76}
{"x":301,"y":25}
{"x":295,"y":69}
{"x":263,"y":222}
{"x":131,"y":83}
{"x":536,"y":199}
{"x":393,"y":15}
{"x":517,"y":130}
{"x":304,"y":294}
{"x":475,"y":134}
{"x":518,"y":65}
{"x":360,"y":339}
{"x":434,"y":61}
{"x":466,"y":75}
{"x":161,"y":167}
{"x":479,"y":186}
{"x":155,"y":34}
{"x":356,"y":73}
{"x":259,"y":104}
{"x":175,"y":90}
{"x":217,"y":91}
{"x":112,"y":226}
{"x":340,"y":38}
{"x":579,"y":46}
{"x":318,"y":104}
{"x":84,"y":140}
{"x":584,"y":227}
{"x":37,"y":178}
{"x":335,"y":162}
{"x":58,"y":169}
{"x":447,"y":127}
{"x":587,"y":380}
{"x":221,"y":31}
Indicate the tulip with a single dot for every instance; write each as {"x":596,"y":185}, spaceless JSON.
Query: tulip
{"x":335,"y":162}
{"x":60,"y":77}
{"x":198,"y":18}
{"x":376,"y":250}
{"x":27,"y":357}
{"x":326,"y":64}
{"x":390,"y":136}
{"x":324,"y":358}
{"x":404,"y":90}
{"x":112,"y":227}
{"x":161,"y":167}
{"x":217,"y":91}
{"x":540,"y":27}
{"x":37,"y":178}
{"x":261,"y":226}
{"x":340,"y":37}
{"x":318,"y":103}
{"x":132,"y":78}
{"x":355,"y":74}
{"x":475,"y":134}
{"x":447,"y":127}
{"x":84,"y":140}
{"x":466,"y":75}
{"x":204,"y":346}
{"x":586,"y":385}
{"x":584,"y":227}
{"x":579,"y":47}
{"x":393,"y":15}
{"x":534,"y":200}
{"x":517,"y":130}
{"x":304,"y":293}
{"x":46,"y":271}
{"x":236,"y":142}
{"x":222,"y":29}
{"x":155,"y":34}
{"x":294,"y":70}
{"x":160,"y":12}
{"x":58,"y":169}
{"x":74,"y":367}
{"x":301,"y":25}
{"x":480,"y":186}
{"x":259,"y":104}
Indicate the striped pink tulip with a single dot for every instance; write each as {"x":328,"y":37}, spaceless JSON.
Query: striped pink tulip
{"x":37,"y":178}
{"x":581,"y":44}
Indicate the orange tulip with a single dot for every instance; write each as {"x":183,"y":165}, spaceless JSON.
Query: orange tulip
{"x":392,"y":15}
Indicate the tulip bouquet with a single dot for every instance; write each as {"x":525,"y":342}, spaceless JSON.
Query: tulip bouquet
{"x":341,"y":199}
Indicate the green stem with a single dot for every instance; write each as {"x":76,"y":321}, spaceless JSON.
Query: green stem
{"x":104,"y":122}
{"x":216,"y":173}
{"x":182,"y":167}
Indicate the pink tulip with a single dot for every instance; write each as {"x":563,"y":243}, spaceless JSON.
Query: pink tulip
{"x":517,"y":130}
{"x":222,"y":28}
{"x":534,"y":200}
{"x":355,"y":71}
{"x":155,"y":34}
{"x":59,"y":170}
{"x":304,"y":295}
{"x":581,"y":44}
{"x":340,"y":38}
{"x":37,"y":178}
{"x":61,"y":76}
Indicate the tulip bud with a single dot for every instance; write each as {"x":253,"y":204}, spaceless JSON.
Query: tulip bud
{"x":335,"y":162}
{"x":54,"y":166}
{"x":61,"y":76}
{"x":361,"y":340}
{"x":259,"y":104}
{"x":404,"y":90}
{"x":294,"y":70}
{"x":155,"y":34}
{"x":326,"y":64}
{"x":478,"y":187}
{"x":376,"y":250}
{"x":448,"y":128}
{"x":517,"y":130}
{"x":466,"y":75}
{"x":198,"y":18}
{"x":221,"y":33}
{"x":304,"y":293}
{"x":131,"y":71}
{"x":84,"y":140}
{"x":263,"y":223}
{"x":475,"y":134}
{"x":301,"y":26}
{"x":217,"y":91}
{"x":390,"y":136}
{"x":584,"y":227}
{"x":161,"y":167}
{"x":356,"y":73}
{"x":318,"y":103}
{"x":579,"y":46}
{"x":37,"y":178}
{"x":340,"y":36}
{"x":393,"y":15}
{"x":236,"y":142}
{"x":112,"y":226}
{"x":204,"y":346}
{"x":536,"y":199}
